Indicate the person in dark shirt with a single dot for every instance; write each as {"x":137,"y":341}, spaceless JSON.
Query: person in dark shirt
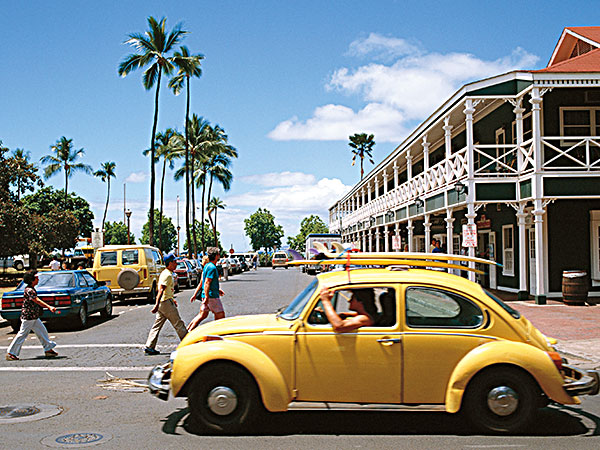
{"x":31,"y":311}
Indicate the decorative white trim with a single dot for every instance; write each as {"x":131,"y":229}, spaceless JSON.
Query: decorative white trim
{"x":508,"y":289}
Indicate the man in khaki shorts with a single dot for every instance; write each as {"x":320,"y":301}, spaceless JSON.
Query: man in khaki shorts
{"x":165,"y":307}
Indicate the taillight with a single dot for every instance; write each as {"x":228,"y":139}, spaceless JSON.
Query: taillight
{"x":211,"y":338}
{"x":556,"y":359}
{"x":145,"y":273}
{"x":64,"y":300}
{"x":16,"y":302}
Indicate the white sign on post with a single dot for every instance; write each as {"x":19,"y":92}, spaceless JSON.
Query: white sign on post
{"x":469,"y":235}
{"x":97,"y":239}
{"x":396,"y":242}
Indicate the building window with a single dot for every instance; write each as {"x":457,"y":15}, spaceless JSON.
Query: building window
{"x":508,"y":251}
{"x":595,"y":245}
{"x":577,"y":121}
{"x":527,"y":128}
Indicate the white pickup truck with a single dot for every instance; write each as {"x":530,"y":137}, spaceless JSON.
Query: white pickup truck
{"x":311,"y":253}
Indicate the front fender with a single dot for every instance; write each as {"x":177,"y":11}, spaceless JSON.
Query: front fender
{"x":274,"y":392}
{"x":529,"y":358}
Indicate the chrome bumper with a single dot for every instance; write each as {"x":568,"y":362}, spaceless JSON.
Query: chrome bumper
{"x":581,"y":382}
{"x":159,"y":381}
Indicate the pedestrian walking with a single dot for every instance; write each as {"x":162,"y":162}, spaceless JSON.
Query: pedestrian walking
{"x":31,"y":311}
{"x":211,"y":293}
{"x":55,"y":263}
{"x":165,"y":307}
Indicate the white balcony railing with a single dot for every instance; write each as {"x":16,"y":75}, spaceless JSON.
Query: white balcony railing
{"x":571,"y":153}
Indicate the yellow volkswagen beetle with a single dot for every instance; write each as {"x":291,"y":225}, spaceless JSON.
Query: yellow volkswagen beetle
{"x":438,"y":340}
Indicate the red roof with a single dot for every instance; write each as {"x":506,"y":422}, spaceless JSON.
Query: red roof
{"x":569,"y":39}
{"x":588,"y":62}
{"x":591,"y":33}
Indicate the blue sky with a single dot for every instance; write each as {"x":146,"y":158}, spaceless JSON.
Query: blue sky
{"x":288,"y":81}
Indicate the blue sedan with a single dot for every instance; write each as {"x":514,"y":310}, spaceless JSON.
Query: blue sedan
{"x":75,"y":293}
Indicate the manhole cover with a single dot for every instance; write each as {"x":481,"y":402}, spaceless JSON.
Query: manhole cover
{"x":27,"y":413}
{"x":76,"y":440}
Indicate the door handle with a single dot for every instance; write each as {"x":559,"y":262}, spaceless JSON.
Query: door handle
{"x":389,"y":341}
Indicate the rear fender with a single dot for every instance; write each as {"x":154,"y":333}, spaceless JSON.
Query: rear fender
{"x":527,"y":357}
{"x":274,"y":392}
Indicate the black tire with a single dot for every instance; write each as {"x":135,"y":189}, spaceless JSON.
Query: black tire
{"x":15,"y":324}
{"x":106,"y":312}
{"x":19,"y":266}
{"x":151,"y":297}
{"x":220,"y":379}
{"x":81,"y":320}
{"x":520,"y":400}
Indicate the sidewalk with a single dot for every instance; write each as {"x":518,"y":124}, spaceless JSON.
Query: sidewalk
{"x":577,"y":328}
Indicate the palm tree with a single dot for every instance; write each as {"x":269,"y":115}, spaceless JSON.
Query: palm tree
{"x":64,"y":159}
{"x":362,"y":145}
{"x":22,"y":159}
{"x":105,"y":173}
{"x":189,"y":66}
{"x":153,"y":48}
{"x":215,"y":204}
{"x":166,"y":148}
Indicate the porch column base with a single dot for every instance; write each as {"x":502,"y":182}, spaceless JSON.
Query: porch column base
{"x":540,"y":299}
{"x":523,"y":295}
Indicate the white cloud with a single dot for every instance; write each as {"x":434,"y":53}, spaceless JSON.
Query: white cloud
{"x":279,"y":179}
{"x":395,"y":94}
{"x":136,"y":177}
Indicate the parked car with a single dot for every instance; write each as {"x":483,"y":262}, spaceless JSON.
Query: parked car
{"x":234,"y":266}
{"x":222,"y":264}
{"x":243,"y":264}
{"x":16,"y":262}
{"x":75,"y":293}
{"x":186,"y":273}
{"x":439,"y":341}
{"x":280,"y":259}
{"x":196,"y":266}
{"x":129,"y":270}
{"x":176,"y":286}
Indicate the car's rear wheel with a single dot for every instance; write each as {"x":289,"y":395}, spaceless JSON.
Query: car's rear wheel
{"x":501,"y":400}
{"x":224,"y":398}
{"x":15,"y":324}
{"x":106,"y":313}
{"x":19,"y":266}
{"x":152,"y":295}
{"x":81,"y":319}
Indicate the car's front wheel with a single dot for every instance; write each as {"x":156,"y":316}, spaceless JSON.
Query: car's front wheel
{"x":502,"y":400}
{"x":106,"y":313}
{"x":224,"y":398}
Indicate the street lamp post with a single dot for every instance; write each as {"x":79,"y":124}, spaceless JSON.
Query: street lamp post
{"x":178,"y":228}
{"x":128,"y":214}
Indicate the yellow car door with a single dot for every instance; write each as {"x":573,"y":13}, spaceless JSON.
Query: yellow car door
{"x":441,"y":326}
{"x":363,"y":366}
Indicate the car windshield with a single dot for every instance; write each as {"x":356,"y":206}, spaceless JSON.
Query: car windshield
{"x":181,"y":265}
{"x":295,"y":308}
{"x":56,"y":280}
{"x":512,"y":312}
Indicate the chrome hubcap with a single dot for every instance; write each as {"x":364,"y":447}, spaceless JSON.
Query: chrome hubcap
{"x":503,"y":400}
{"x":222,"y":400}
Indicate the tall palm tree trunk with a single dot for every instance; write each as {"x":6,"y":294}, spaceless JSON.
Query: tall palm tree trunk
{"x":152,"y":173}
{"x":187,"y":169}
{"x":203,"y":192}
{"x":66,"y":186}
{"x":162,"y":193}
{"x":193,"y":189}
{"x":215,"y":230}
{"x":106,"y":207}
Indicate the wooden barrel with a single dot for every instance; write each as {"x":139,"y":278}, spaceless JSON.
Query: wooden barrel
{"x":574,"y":287}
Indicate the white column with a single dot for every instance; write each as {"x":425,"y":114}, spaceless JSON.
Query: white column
{"x":535,"y":101}
{"x":369,"y":192}
{"x":448,"y":146}
{"x":395,"y":174}
{"x":425,"y":145}
{"x":427,"y":226}
{"x":411,"y":229}
{"x":408,"y":164}
{"x":540,"y":267}
{"x":386,"y":234}
{"x":384,"y":176}
{"x":522,"y":232}
{"x":370,"y":241}
{"x":362,"y":194}
{"x":397,"y":233}
{"x":449,"y":231}
{"x":364,"y":241}
{"x":375,"y":187}
{"x":519,"y":110}
{"x":377,"y":239}
{"x":471,"y":215}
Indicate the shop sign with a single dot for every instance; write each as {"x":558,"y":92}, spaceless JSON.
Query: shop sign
{"x":469,"y":235}
{"x":396,"y":242}
{"x":97,"y":239}
{"x":484,"y":222}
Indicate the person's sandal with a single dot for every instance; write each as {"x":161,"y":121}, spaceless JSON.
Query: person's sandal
{"x":11,"y":357}
{"x":51,"y":354}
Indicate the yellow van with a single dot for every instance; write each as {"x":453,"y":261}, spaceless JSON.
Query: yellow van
{"x":129,"y":270}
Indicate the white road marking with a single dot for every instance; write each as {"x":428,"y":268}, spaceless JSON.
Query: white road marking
{"x":75,"y":369}
{"x":94,"y":346}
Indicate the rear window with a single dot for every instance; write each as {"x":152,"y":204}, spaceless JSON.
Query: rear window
{"x":513,"y":312}
{"x":56,"y":279}
{"x":108,"y":258}
{"x":181,"y":265}
{"x":280,"y":255}
{"x":129,"y":257}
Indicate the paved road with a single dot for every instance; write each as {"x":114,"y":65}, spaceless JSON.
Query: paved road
{"x":130,"y":419}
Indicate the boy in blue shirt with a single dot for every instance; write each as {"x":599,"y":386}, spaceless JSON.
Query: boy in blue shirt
{"x":211,"y":293}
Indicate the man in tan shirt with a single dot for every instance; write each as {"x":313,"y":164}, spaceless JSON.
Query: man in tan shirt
{"x":165,"y":307}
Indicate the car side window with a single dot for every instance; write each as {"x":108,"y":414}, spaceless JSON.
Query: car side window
{"x":428,"y":307}
{"x":108,"y":258}
{"x":129,"y":257}
{"x":90,"y":279}
{"x":157,"y":258}
{"x":81,"y":280}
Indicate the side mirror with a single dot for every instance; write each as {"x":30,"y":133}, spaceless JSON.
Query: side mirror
{"x":101,"y":283}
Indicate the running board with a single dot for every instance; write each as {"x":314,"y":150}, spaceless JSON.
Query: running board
{"x":331,"y":406}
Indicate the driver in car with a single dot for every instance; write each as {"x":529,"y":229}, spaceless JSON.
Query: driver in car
{"x":362,"y":307}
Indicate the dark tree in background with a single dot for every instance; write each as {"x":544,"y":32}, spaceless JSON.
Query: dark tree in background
{"x":261,"y":230}
{"x":311,"y":224}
